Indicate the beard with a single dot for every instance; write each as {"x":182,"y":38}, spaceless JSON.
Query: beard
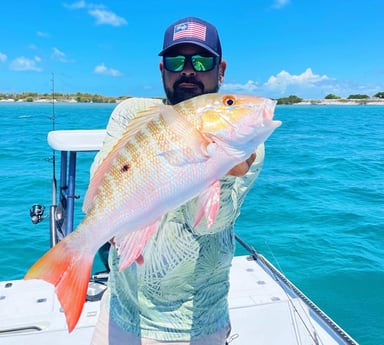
{"x":179,"y":92}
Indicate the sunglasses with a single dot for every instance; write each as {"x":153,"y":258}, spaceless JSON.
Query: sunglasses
{"x":199,"y":63}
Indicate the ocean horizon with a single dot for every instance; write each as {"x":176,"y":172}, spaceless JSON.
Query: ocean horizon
{"x":316,"y":211}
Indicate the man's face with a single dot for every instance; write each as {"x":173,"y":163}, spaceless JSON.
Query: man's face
{"x":188,"y":83}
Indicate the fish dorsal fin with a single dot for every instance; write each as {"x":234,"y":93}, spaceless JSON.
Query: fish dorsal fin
{"x":136,"y":124}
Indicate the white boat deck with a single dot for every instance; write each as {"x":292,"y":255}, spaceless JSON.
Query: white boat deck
{"x":265,"y":312}
{"x":262,"y":312}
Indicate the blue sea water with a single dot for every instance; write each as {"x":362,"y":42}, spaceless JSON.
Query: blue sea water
{"x":316,"y":210}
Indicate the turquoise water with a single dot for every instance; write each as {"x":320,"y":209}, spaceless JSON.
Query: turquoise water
{"x":316,"y":210}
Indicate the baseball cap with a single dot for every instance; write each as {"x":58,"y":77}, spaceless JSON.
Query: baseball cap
{"x":192,"y":30}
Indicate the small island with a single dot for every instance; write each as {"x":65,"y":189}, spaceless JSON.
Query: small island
{"x":331,"y":99}
{"x":59,"y":97}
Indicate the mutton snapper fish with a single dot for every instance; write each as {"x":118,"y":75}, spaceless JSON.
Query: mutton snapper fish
{"x":167,"y":156}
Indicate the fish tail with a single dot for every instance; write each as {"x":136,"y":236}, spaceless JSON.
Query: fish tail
{"x":68,"y":269}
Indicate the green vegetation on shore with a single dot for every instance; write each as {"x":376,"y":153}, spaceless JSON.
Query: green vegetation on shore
{"x":358,"y":98}
{"x":95,"y":98}
{"x":61,"y":97}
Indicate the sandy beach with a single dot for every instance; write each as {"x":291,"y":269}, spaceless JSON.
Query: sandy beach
{"x":342,"y":101}
{"x":376,"y":101}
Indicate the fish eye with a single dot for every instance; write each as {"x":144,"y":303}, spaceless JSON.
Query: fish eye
{"x":229,"y":100}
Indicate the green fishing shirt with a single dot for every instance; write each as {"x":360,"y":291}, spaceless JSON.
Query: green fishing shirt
{"x":180,"y":291}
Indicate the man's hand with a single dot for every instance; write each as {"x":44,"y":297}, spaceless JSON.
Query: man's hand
{"x":242,"y":168}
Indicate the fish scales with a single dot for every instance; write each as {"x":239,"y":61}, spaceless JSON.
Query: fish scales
{"x":142,"y":176}
{"x":136,"y":166}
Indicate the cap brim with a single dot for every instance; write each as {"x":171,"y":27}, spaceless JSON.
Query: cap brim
{"x":202,"y":44}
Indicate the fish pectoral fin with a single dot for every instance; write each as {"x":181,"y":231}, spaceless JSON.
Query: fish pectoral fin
{"x":68,"y":269}
{"x":208,"y":204}
{"x":131,"y":245}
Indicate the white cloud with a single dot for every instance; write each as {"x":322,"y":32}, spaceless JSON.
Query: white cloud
{"x":32,"y":46}
{"x":3,"y":57}
{"x":280,"y":82}
{"x":249,"y":86}
{"x":102,"y":69}
{"x":42,"y":34}
{"x":107,"y":17}
{"x":24,"y":64}
{"x":280,"y":3}
{"x":102,"y":15}
{"x":306,"y":85}
{"x":76,"y":5}
{"x":283,"y":80}
{"x":58,"y":55}
{"x":345,"y":88}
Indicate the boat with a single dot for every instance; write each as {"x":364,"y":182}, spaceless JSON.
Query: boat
{"x":265,"y":306}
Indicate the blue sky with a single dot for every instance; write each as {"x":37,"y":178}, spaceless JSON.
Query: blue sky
{"x":273,"y":48}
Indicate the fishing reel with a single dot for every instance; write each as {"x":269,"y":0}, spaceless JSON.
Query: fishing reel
{"x":37,"y":213}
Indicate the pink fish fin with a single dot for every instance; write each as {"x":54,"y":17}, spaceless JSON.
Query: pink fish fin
{"x":130,"y":246}
{"x":68,"y":269}
{"x":134,"y":126}
{"x":208,"y":204}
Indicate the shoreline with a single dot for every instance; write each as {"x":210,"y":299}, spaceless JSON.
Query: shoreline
{"x":376,"y":101}
{"x":342,"y":102}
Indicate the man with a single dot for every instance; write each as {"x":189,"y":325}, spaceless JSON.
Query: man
{"x":177,"y":291}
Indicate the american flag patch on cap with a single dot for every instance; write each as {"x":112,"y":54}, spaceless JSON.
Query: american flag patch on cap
{"x":189,"y":29}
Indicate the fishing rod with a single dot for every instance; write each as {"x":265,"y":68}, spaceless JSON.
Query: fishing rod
{"x":53,"y":208}
{"x":37,"y":211}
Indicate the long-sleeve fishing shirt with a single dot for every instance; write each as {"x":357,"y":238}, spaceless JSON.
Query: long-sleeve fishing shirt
{"x":180,"y":291}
